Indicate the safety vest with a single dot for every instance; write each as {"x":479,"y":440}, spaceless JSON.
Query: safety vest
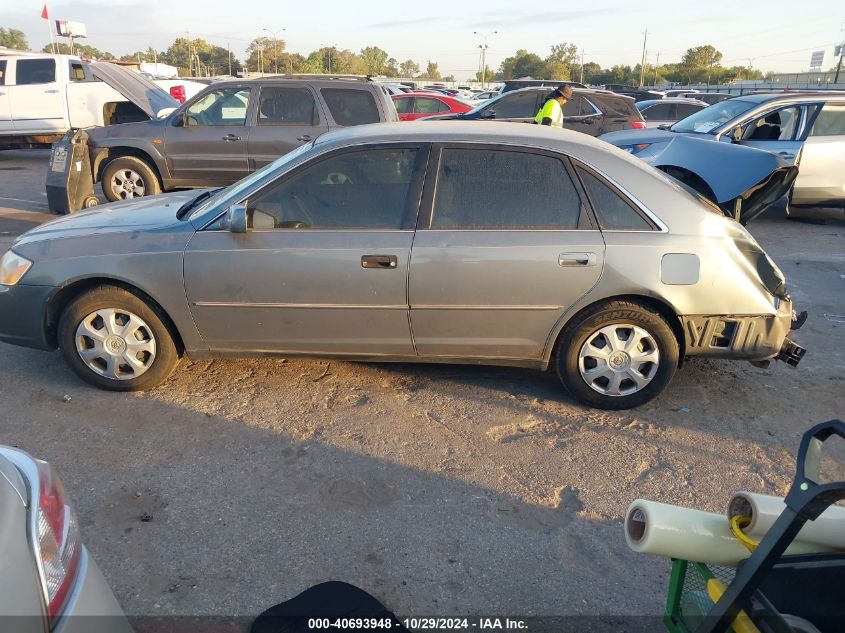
{"x":550,"y":110}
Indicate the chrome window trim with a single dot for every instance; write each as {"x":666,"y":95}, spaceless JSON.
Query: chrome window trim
{"x":662,"y":228}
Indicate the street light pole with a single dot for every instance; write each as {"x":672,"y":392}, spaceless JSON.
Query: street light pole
{"x":642,"y":63}
{"x":275,"y":47}
{"x":841,"y":55}
{"x":484,"y":48}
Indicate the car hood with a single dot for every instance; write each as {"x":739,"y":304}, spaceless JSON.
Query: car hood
{"x":624,"y":138}
{"x":135,"y":87}
{"x":132,"y":215}
{"x":731,"y":171}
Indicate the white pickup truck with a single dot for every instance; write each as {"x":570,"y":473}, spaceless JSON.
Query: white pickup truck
{"x":43,"y":96}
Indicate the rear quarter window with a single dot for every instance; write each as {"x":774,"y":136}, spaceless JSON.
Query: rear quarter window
{"x":349,"y":106}
{"x":617,"y":106}
{"x":613,"y":211}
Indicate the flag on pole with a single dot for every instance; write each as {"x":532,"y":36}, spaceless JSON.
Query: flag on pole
{"x":44,"y":15}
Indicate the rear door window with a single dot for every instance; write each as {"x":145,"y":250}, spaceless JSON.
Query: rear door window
{"x":830,"y":122}
{"x":35,"y":71}
{"x":613,"y":211}
{"x":287,"y":106}
{"x":2,"y":72}
{"x":684,"y":110}
{"x":516,"y":106}
{"x":349,"y":106}
{"x":429,"y":105}
{"x":503,"y":189}
{"x":659,"y":112}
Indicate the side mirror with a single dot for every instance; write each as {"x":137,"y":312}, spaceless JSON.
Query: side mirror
{"x":235,"y":221}
{"x":488,"y":114}
{"x":164,"y":113}
{"x":663,"y":126}
{"x":736,"y":134}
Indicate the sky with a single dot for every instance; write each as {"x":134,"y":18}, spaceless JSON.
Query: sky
{"x":778,"y":35}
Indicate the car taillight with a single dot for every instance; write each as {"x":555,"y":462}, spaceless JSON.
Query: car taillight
{"x":57,"y":541}
{"x":637,"y":124}
{"x":178,"y":93}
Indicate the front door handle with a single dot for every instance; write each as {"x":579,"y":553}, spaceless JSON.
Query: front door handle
{"x":304,"y":137}
{"x":577,"y":259}
{"x":385,"y":262}
{"x":786,"y":154}
{"x":231,"y":137}
{"x":51,"y":92}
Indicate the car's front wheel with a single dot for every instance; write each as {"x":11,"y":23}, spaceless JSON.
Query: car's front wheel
{"x":127,"y":177}
{"x":115,"y":340}
{"x":617,"y":355}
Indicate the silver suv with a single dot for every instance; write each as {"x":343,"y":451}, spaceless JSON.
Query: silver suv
{"x":227,"y":131}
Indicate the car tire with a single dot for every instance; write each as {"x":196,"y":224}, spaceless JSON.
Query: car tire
{"x":127,"y":177}
{"x":102,"y":330}
{"x":580,"y":355}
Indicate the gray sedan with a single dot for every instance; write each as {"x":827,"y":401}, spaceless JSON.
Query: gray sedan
{"x":49,"y":581}
{"x":431,"y":242}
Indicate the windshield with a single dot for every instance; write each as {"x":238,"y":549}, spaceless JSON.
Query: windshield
{"x":234,"y":191}
{"x":713,"y":117}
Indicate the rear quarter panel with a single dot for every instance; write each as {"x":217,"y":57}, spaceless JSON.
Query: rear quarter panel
{"x":20,"y":601}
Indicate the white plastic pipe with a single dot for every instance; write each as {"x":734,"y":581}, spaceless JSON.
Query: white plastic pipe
{"x":676,"y":532}
{"x":762,"y":510}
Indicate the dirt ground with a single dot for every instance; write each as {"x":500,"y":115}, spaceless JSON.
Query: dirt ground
{"x":443,"y":490}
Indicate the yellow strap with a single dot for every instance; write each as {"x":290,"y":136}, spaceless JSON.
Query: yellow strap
{"x":742,"y":623}
{"x":737,"y":523}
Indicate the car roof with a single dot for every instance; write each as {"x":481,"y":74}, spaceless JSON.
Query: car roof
{"x":299,"y":81}
{"x":502,"y":132}
{"x":791,"y":97}
{"x":575,"y":90}
{"x":684,"y":100}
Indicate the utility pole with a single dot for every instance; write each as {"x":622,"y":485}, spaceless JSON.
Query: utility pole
{"x":841,"y":55}
{"x":190,"y":55}
{"x":642,"y":64}
{"x":275,"y":35}
{"x":484,"y":48}
{"x":656,"y":66}
{"x":582,"y":66}
{"x":229,"y":54}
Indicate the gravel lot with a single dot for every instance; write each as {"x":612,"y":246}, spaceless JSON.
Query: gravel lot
{"x":440,"y":489}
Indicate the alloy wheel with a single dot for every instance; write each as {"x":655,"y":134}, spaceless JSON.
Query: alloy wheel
{"x":128,"y":183}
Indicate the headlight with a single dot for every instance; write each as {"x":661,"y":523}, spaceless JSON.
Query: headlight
{"x":636,"y":149}
{"x":12,"y":268}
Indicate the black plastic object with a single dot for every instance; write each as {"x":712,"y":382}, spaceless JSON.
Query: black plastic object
{"x":70,"y":185}
{"x":333,"y":601}
{"x":806,"y":500}
{"x":791,"y":353}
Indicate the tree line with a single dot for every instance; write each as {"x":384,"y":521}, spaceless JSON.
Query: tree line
{"x":699,"y":64}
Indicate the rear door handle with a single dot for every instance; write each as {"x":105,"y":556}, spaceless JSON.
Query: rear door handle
{"x":577,"y":259}
{"x":231,"y":137}
{"x":379,"y":261}
{"x":50,"y":92}
{"x":304,"y":137}
{"x":786,"y":154}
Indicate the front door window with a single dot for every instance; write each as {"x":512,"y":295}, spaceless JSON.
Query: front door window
{"x":227,"y":106}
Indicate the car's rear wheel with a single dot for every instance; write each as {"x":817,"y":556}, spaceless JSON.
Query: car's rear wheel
{"x":128,"y":177}
{"x":115,"y":340}
{"x":617,"y":355}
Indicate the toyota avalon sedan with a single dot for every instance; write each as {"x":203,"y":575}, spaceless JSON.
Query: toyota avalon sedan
{"x":432,"y":242}
{"x":49,"y":581}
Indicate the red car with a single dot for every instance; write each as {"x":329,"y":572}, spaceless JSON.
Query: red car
{"x":416,"y":105}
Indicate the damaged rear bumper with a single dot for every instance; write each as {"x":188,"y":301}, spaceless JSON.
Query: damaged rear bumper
{"x":744,"y":337}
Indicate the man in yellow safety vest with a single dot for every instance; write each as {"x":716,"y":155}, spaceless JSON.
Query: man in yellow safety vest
{"x":552,"y":111}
